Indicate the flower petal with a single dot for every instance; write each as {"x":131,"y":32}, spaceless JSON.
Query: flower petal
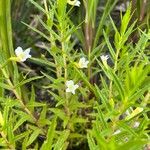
{"x":73,"y":92}
{"x":68,"y":83}
{"x":77,"y":3}
{"x":76,"y":86}
{"x":26,"y":53}
{"x":18,"y":51}
{"x":82,"y":63}
{"x":74,"y":2}
{"x":68,"y":90}
{"x":117,"y":132}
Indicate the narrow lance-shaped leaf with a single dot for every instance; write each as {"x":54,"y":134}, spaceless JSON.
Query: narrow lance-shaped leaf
{"x":33,"y":136}
{"x":91,"y":142}
{"x":48,"y":143}
{"x":62,"y":140}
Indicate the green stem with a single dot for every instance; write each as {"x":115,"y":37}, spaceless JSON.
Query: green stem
{"x":6,"y":42}
{"x":108,"y":7}
{"x":10,"y":146}
{"x":64,"y":49}
{"x":5,"y":64}
{"x":65,"y":79}
{"x":20,"y":99}
{"x":6,"y":33}
{"x":114,"y":70}
{"x":89,"y":67}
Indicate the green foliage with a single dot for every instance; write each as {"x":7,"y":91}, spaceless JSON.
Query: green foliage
{"x":109,"y":107}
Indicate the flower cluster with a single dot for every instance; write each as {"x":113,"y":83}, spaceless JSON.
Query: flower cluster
{"x":23,"y":55}
{"x":83,"y":63}
{"x":71,"y":87}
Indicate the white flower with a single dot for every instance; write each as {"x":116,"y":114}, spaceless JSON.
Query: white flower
{"x":104,"y":58}
{"x":123,"y":7}
{"x":75,"y":2}
{"x":83,"y":63}
{"x":136,"y":124}
{"x":71,"y":87}
{"x":117,"y":132}
{"x":22,"y":55}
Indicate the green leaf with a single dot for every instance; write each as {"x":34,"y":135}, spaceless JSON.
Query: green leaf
{"x":111,"y":49}
{"x":37,"y":31}
{"x":61,"y":6}
{"x":43,"y":62}
{"x":32,"y":99}
{"x":35,"y":104}
{"x":20,"y":122}
{"x":33,"y":136}
{"x":118,"y":84}
{"x":27,"y":81}
{"x":24,"y":143}
{"x":23,"y":115}
{"x":3,"y":143}
{"x":139,"y":93}
{"x":97,"y":133}
{"x":78,"y":120}
{"x":128,"y":129}
{"x":91,"y":142}
{"x":58,"y":112}
{"x":101,"y":117}
{"x":125,"y":21}
{"x":43,"y":113}
{"x":84,"y":78}
{"x":10,"y":132}
{"x":62,"y":140}
{"x":22,"y":135}
{"x":5,"y":86}
{"x":133,"y":145}
{"x":48,"y":143}
{"x":103,"y":98}
{"x":57,"y":97}
{"x":108,"y":7}
{"x":38,"y":6}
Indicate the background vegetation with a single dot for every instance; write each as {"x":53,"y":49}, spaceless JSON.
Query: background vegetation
{"x":110,"y":107}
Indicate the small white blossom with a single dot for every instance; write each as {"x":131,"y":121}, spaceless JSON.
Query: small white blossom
{"x":136,"y":124}
{"x":71,"y":87}
{"x":123,"y":7}
{"x":104,"y":58}
{"x":22,"y":55}
{"x":117,"y":132}
{"x":75,"y":2}
{"x":83,"y":63}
